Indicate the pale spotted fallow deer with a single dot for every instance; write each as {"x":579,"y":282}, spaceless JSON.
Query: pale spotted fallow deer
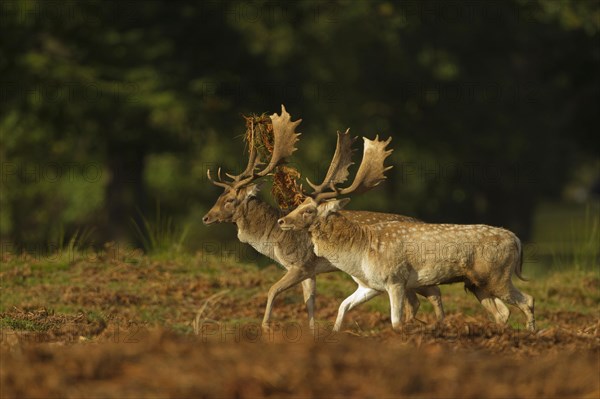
{"x":397,"y":256}
{"x":256,"y":222}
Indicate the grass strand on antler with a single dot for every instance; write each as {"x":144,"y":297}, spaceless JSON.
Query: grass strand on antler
{"x":286,"y":190}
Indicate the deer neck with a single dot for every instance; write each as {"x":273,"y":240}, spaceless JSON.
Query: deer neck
{"x":256,"y":222}
{"x":339,"y":240}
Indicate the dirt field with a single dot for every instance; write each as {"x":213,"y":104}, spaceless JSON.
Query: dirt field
{"x":191,"y":328}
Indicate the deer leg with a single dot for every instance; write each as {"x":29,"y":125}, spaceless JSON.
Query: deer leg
{"x":293,"y":276}
{"x":492,"y":304}
{"x":362,"y":294}
{"x":434,"y":296}
{"x":412,"y":305}
{"x":309,"y":291}
{"x":502,"y":308}
{"x":397,"y":293}
{"x":524,"y":302}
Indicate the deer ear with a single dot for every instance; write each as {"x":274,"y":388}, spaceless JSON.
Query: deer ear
{"x":249,"y":191}
{"x":253,"y":189}
{"x":332,"y":206}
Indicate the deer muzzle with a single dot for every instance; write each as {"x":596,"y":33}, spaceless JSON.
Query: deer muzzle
{"x":208,"y":219}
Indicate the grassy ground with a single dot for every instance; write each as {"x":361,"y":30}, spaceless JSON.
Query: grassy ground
{"x":98,"y":325}
{"x":168,"y":291}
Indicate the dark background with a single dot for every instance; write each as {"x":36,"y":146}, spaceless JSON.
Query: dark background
{"x":110,"y":111}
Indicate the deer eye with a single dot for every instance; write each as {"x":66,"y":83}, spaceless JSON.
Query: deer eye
{"x":230,"y":200}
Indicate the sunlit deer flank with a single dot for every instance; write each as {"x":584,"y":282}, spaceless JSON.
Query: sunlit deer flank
{"x":256,"y":222}
{"x":397,"y":256}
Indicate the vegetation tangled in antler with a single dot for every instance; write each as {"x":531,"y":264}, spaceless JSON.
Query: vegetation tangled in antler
{"x":259,"y":134}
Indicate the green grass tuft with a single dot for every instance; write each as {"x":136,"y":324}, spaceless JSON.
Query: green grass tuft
{"x":160,"y":235}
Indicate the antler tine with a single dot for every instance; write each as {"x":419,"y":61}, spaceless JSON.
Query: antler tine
{"x":285,"y":138}
{"x":249,"y":171}
{"x":252,"y":163}
{"x":371,"y":170}
{"x":217,"y":183}
{"x":248,"y":174}
{"x":341,"y":161}
{"x":241,"y":181}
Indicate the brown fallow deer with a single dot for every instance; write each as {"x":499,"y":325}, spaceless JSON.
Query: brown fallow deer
{"x":256,"y":222}
{"x":398,"y":256}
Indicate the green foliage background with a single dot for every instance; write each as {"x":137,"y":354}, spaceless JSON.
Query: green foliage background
{"x":109,"y":107}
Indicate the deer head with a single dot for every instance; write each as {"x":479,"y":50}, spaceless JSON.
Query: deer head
{"x":322,"y":201}
{"x":244,"y":186}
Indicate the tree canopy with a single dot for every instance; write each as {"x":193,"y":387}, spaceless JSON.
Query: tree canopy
{"x":108,"y":107}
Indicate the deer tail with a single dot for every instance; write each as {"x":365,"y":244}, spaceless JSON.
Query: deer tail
{"x":519,"y":266}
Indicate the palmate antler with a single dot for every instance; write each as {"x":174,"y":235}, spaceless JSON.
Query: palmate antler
{"x":284,"y":140}
{"x":338,"y":168}
{"x":370,"y":172}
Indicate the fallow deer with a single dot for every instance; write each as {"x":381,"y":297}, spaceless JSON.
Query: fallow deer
{"x":256,"y":222}
{"x":397,"y":256}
